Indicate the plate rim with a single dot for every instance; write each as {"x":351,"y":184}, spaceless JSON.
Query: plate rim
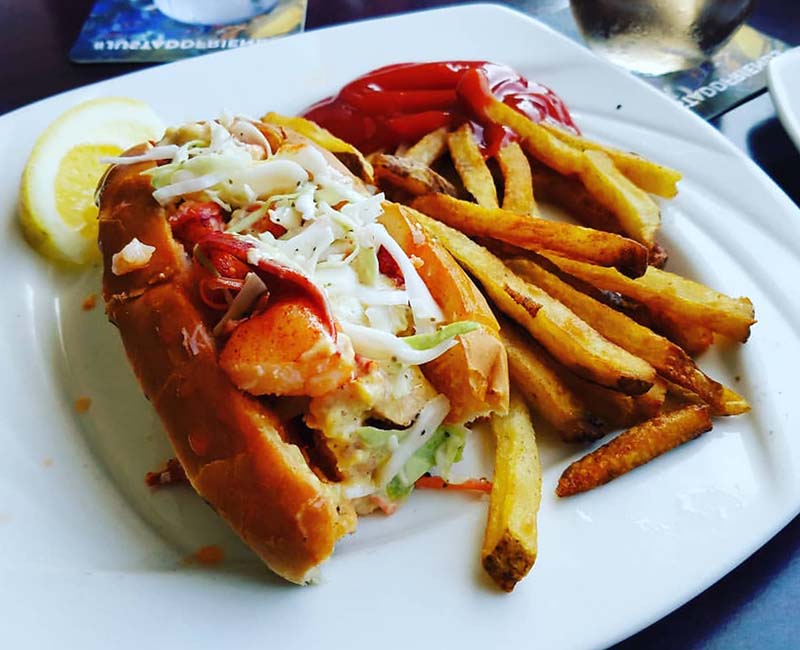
{"x":776,"y":192}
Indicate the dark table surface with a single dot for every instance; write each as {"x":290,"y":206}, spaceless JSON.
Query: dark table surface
{"x":756,"y":605}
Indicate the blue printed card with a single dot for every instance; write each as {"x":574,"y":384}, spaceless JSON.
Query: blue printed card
{"x":166,"y":30}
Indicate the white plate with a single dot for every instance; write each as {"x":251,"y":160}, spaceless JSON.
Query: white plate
{"x":91,"y":557}
{"x":783,"y":74}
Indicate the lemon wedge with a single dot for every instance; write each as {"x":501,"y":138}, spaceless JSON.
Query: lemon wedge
{"x":56,"y":208}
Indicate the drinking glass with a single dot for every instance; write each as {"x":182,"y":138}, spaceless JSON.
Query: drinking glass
{"x":659,"y":36}
{"x":213,"y":12}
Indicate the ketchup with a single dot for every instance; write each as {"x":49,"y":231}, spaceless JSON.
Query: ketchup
{"x":400,"y":103}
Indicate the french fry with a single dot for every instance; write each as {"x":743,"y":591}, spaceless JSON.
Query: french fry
{"x":684,"y":300}
{"x":510,"y":540}
{"x":429,"y":148}
{"x":471,"y":166}
{"x":499,"y":283}
{"x":345,"y":152}
{"x":517,"y":180}
{"x":542,"y":383}
{"x":582,"y":349}
{"x":733,"y":403}
{"x":536,"y":140}
{"x":694,"y":338}
{"x":533,"y":233}
{"x":638,"y":214}
{"x":649,"y":404}
{"x":666,"y":357}
{"x":658,"y":256}
{"x":565,"y":336}
{"x":408,"y":175}
{"x":648,"y":175}
{"x":568,"y":193}
{"x":633,"y":448}
{"x":615,"y":410}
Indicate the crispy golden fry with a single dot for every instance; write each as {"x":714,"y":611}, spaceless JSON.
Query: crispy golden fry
{"x":666,"y":357}
{"x":638,"y":214}
{"x":634,"y":447}
{"x":517,"y":180}
{"x":681,"y":395}
{"x":429,"y":148}
{"x":541,"y":381}
{"x":568,"y":193}
{"x":649,"y":404}
{"x":611,"y":409}
{"x":733,"y":403}
{"x":471,"y":166}
{"x":510,"y":540}
{"x":686,"y":301}
{"x":649,"y":176}
{"x":577,"y":409}
{"x":533,"y":233}
{"x":345,"y":152}
{"x":536,"y":140}
{"x":498,"y":282}
{"x":694,"y":338}
{"x":408,"y":175}
{"x":658,"y":256}
{"x":582,"y":349}
{"x":565,"y":336}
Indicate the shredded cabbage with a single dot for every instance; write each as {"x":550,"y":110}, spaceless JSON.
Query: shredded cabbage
{"x":451,"y":450}
{"x":154,"y":153}
{"x":376,"y":438}
{"x":424,"y":427}
{"x":426,"y":312}
{"x":428,"y":341}
{"x":244,"y":220}
{"x":383,"y":346}
{"x":186,"y":186}
{"x":442,"y":449}
{"x":366,"y":265}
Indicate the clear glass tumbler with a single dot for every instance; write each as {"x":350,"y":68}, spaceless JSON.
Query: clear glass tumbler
{"x":659,"y":36}
{"x":213,"y":12}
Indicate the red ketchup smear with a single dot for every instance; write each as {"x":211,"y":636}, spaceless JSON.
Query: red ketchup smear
{"x":398,"y":104}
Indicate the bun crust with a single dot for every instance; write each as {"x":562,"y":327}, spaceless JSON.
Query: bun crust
{"x":474,"y":374}
{"x":231,"y":445}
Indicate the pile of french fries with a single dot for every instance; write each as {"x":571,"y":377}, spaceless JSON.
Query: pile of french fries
{"x":599,"y":337}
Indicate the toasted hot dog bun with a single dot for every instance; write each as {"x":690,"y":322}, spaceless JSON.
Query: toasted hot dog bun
{"x":235,"y":450}
{"x":474,"y":374}
{"x":232,"y":447}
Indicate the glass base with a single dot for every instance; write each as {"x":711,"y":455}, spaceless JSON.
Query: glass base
{"x":648,"y":58}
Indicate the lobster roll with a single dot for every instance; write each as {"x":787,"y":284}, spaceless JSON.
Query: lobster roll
{"x":310,"y":351}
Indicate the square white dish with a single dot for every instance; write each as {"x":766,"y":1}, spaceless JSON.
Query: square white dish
{"x":92,"y":557}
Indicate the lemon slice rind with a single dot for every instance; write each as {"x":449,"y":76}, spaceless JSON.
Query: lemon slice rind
{"x":110,"y":122}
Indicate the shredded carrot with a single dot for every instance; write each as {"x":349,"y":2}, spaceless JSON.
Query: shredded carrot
{"x":388,"y":507}
{"x":438,"y":483}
